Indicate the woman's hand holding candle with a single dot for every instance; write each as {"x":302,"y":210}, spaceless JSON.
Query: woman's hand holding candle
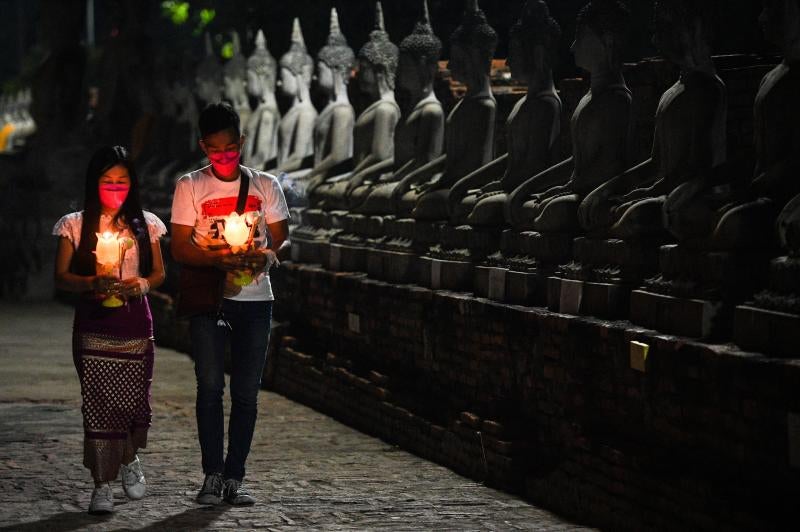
{"x":109,"y":252}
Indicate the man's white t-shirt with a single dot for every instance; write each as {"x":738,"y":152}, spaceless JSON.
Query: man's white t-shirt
{"x":203,"y":201}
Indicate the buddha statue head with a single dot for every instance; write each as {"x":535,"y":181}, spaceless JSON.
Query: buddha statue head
{"x":208,"y":77}
{"x":419,"y":58}
{"x":234,"y":72}
{"x":684,"y":30}
{"x":335,"y":59}
{"x":297,"y":66}
{"x":261,"y":68}
{"x":472,"y":46}
{"x":377,"y":60}
{"x":533,"y":41}
{"x":602,"y":29}
{"x":780,"y":23}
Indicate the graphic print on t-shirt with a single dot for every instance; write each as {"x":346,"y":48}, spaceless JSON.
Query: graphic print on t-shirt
{"x":214,"y":212}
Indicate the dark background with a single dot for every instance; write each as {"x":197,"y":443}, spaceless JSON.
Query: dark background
{"x":29,"y":28}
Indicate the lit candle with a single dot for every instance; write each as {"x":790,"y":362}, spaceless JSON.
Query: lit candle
{"x":236,"y":231}
{"x":107,"y":250}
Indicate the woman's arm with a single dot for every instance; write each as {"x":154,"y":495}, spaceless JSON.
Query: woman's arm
{"x":65,"y":279}
{"x":136,"y":286}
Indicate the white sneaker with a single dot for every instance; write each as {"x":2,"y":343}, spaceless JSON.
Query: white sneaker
{"x":102,"y":500}
{"x":133,"y":482}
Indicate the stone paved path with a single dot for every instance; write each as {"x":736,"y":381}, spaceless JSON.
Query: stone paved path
{"x":308,"y":471}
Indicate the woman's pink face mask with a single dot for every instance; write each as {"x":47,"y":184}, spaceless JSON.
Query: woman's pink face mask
{"x":112,"y":196}
{"x":225,"y":163}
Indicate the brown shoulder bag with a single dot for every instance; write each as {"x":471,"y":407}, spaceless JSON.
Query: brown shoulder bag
{"x":200,"y":288}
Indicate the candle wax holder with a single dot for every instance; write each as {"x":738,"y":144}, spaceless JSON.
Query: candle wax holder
{"x":112,"y":300}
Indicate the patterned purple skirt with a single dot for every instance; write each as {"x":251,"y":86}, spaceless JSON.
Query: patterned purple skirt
{"x":113,"y":353}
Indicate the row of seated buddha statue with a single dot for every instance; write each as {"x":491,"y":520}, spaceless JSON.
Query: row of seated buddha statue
{"x":17,"y":123}
{"x":689,"y":241}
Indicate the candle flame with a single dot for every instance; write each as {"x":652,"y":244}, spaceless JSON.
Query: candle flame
{"x":236,"y":232}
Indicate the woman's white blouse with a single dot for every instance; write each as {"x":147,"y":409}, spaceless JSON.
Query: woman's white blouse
{"x":69,"y":226}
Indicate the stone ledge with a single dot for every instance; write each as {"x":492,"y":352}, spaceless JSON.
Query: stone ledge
{"x":697,"y":427}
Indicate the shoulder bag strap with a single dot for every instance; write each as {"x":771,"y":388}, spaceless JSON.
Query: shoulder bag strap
{"x":244,"y":188}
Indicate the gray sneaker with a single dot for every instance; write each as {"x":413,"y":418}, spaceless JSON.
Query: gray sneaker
{"x":133,"y":483}
{"x":235,"y":494}
{"x":211,"y":492}
{"x":102,"y":500}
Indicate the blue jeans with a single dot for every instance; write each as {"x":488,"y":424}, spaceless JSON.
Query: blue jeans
{"x":249,"y":337}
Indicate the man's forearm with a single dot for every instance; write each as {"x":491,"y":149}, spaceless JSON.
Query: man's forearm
{"x":193,"y":256}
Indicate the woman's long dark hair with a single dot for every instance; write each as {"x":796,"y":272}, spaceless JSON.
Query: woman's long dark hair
{"x":130,"y":213}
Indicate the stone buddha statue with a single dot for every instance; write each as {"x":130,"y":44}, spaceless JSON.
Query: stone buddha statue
{"x":689,"y":136}
{"x":789,"y":227}
{"x":469,"y":133}
{"x":208,"y":77}
{"x":701,"y":214}
{"x":600,"y":125}
{"x":419,"y":136}
{"x":234,"y":74}
{"x":532,"y":127}
{"x":333,"y":129}
{"x":261,"y":131}
{"x":373,"y":133}
{"x":297,"y":125}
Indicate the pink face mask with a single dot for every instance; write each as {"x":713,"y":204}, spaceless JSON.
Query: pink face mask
{"x":225,"y":163}
{"x":113,"y":196}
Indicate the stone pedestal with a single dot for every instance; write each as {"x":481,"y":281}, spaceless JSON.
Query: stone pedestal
{"x":440,"y":274}
{"x":696,"y":291}
{"x":309,"y":245}
{"x":392,"y":266}
{"x":311,"y":238}
{"x":348,"y":248}
{"x":770,"y":323}
{"x":394,"y":256}
{"x":599,"y":280}
{"x":524,"y":263}
{"x":450,"y":264}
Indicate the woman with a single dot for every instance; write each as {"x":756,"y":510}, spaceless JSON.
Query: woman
{"x":112,"y":346}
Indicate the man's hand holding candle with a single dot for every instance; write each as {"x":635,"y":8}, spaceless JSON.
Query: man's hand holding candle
{"x":239,"y":230}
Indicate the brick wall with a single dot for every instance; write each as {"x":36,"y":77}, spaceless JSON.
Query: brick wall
{"x":548,"y":405}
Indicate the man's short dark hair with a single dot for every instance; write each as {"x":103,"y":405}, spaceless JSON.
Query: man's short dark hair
{"x":218,"y":117}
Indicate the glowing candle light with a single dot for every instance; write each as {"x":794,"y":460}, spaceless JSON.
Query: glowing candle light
{"x":107,"y":250}
{"x":236,"y":231}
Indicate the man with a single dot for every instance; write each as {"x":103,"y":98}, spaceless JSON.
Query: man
{"x":202,"y":201}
